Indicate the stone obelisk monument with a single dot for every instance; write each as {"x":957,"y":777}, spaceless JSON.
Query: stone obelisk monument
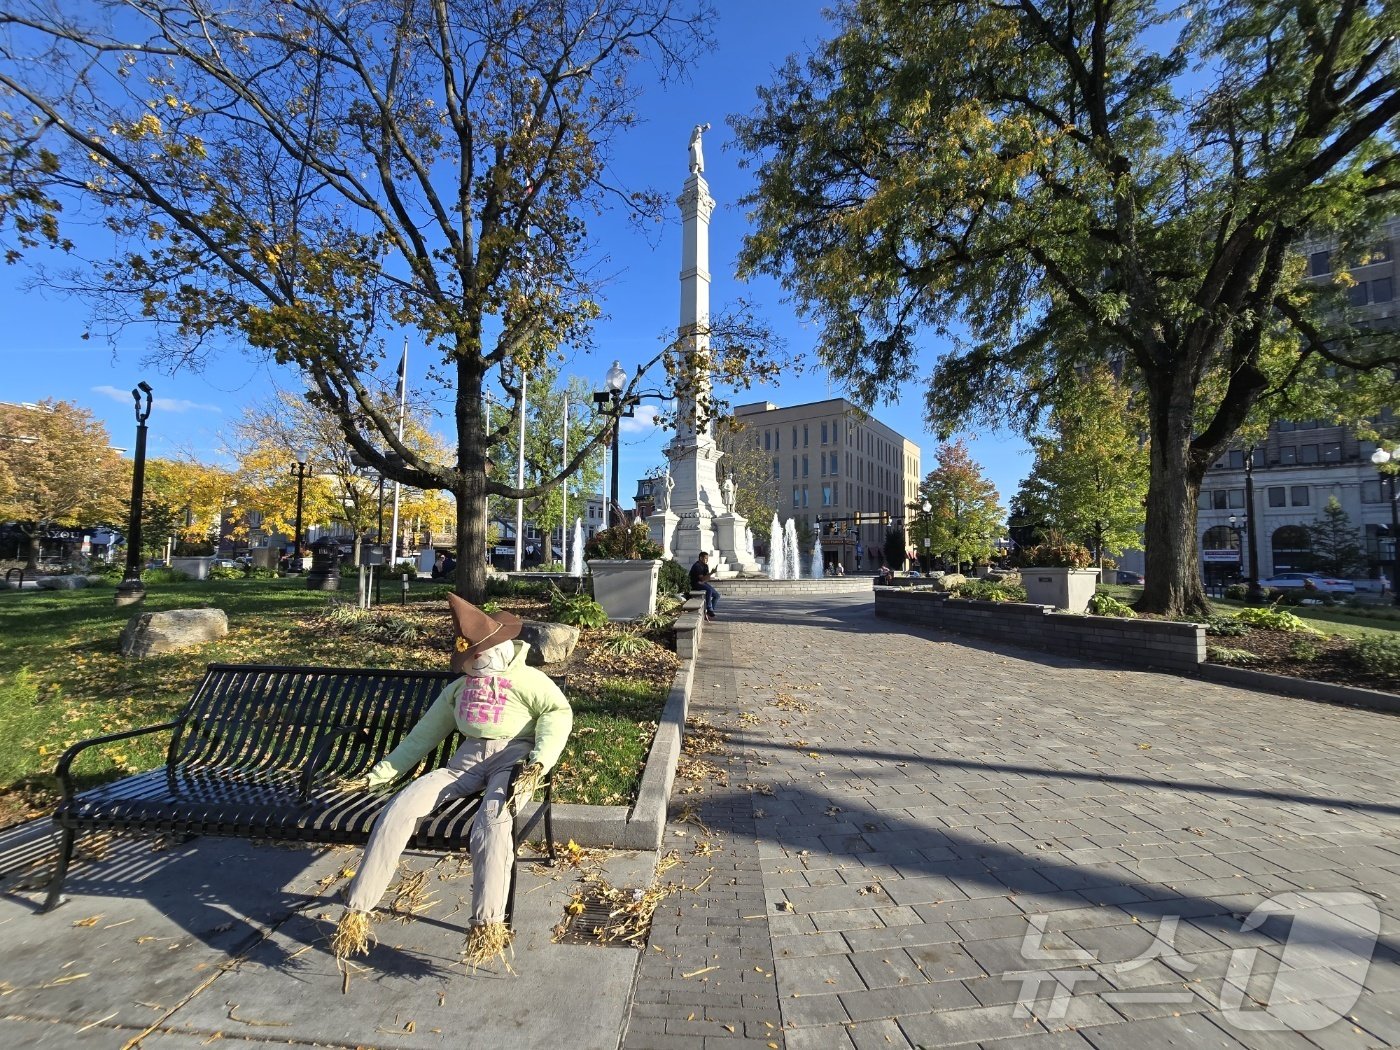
{"x":698,"y":517}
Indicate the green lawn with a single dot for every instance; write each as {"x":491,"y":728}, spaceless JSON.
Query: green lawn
{"x":62,"y":679}
{"x":1334,"y":619}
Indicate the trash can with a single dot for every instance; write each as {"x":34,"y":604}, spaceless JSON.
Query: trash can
{"x":325,"y":566}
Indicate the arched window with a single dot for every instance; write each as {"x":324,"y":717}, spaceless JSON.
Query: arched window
{"x":1220,"y":538}
{"x":1292,"y":549}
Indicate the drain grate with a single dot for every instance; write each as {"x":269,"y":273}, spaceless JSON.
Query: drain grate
{"x":592,"y":926}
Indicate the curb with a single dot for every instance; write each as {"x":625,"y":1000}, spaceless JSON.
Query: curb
{"x":1304,"y":688}
{"x":641,"y":827}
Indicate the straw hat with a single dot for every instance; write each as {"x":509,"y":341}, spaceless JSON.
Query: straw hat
{"x":477,"y":630}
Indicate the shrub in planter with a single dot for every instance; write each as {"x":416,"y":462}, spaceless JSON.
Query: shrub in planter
{"x":225,"y":572}
{"x":1226,"y":626}
{"x":623,"y":543}
{"x":674,"y":578}
{"x":1058,"y":555}
{"x":1275,"y":620}
{"x":1102,"y":604}
{"x":1378,"y":655}
{"x":1238,"y":591}
{"x":991,"y":591}
{"x":1220,"y":655}
{"x":576,"y":610}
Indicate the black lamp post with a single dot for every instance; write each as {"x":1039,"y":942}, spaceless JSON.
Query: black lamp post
{"x":131,"y":590}
{"x":299,"y":472}
{"x":925,"y":540}
{"x":1380,"y":458}
{"x":1254,"y":594}
{"x":614,"y":381}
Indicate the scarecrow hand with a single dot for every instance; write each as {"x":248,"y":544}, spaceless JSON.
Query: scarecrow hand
{"x":352,"y":785}
{"x":525,"y":785}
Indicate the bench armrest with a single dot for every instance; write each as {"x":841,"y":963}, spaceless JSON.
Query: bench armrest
{"x":321,"y":753}
{"x":66,"y":759}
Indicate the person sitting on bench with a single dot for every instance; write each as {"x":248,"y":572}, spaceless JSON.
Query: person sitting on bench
{"x":509,"y":713}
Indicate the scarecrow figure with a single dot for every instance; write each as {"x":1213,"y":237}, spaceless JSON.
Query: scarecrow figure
{"x":509,"y":713}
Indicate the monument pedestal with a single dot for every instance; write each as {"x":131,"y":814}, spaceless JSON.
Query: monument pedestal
{"x":662,"y":526}
{"x":731,"y":540}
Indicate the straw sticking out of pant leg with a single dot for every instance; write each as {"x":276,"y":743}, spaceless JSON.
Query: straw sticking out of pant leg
{"x":486,"y":941}
{"x":351,"y":935}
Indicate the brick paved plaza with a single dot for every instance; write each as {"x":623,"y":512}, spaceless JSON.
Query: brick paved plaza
{"x":931,"y":842}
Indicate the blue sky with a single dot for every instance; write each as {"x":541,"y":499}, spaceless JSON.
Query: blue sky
{"x":43,"y":355}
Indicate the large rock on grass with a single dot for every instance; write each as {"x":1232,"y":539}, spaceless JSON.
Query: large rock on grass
{"x":550,"y":643}
{"x":61,"y":583}
{"x":153,"y":633}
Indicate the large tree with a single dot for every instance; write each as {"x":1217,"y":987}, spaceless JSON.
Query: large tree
{"x":61,"y":470}
{"x":1089,"y":478}
{"x":186,"y":500}
{"x":965,"y":518}
{"x":266,"y":441}
{"x":1052,"y":184}
{"x":296,"y":176}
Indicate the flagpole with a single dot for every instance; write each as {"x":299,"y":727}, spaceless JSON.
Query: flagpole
{"x":403,"y":401}
{"x":564,"y":514}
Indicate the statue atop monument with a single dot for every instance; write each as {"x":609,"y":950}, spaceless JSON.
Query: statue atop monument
{"x":697,"y":149}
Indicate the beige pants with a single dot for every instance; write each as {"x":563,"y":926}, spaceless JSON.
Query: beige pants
{"x":477,"y":764}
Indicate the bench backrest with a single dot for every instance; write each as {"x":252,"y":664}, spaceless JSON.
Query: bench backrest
{"x":260,"y":719}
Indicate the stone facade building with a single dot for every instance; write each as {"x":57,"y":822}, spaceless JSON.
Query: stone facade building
{"x":829,"y":460}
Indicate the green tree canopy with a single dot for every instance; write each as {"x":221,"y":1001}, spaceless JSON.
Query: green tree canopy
{"x":60,"y":469}
{"x":965,"y":519}
{"x":1053,"y":185}
{"x":296,"y":177}
{"x":1336,"y":544}
{"x":1089,"y":479}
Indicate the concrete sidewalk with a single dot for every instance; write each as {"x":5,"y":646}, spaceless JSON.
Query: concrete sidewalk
{"x":906,"y":840}
{"x":917,"y":840}
{"x":224,"y":941}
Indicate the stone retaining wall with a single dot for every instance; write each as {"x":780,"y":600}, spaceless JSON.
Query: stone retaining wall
{"x":778,"y":588}
{"x":1160,"y":644}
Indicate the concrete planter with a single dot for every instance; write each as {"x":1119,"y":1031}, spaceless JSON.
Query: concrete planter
{"x":194,"y":568}
{"x":1066,"y":589}
{"x":626,"y":589}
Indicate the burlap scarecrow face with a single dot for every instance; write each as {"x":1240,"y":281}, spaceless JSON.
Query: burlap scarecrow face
{"x":483,"y":641}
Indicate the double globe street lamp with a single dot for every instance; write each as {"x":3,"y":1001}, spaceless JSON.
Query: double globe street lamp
{"x":611,"y":397}
{"x":1380,"y":458}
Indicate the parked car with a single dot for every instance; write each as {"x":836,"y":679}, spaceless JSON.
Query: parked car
{"x":1134,"y":578}
{"x":1310,"y":581}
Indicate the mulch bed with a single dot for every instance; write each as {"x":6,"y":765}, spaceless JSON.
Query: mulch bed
{"x":1277,"y":653}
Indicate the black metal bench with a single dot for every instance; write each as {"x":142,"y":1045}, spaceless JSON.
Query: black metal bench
{"x":257,"y":753}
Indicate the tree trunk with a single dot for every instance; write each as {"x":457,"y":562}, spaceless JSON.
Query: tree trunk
{"x":1173,"y":574}
{"x":470,"y":488}
{"x":34,"y":550}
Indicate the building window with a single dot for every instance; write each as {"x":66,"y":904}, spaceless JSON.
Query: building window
{"x":1284,"y":426}
{"x":1319,"y":263}
{"x":1278,"y":496}
{"x":836,"y":463}
{"x":796,"y":496}
{"x":1299,"y":495}
{"x":804,"y":435}
{"x":776,"y":471}
{"x":1287,"y":454}
{"x":1219,"y":500}
{"x":1307,"y":454}
{"x":794,"y":437}
{"x":1382,"y":290}
{"x":1236,"y":459}
{"x":1331,"y":452}
{"x":767,"y":441}
{"x":804,"y":466}
{"x":804,"y":495}
{"x":794,"y":468}
{"x":1308,"y":424}
{"x":1356,"y":294}
{"x":823,"y":432}
{"x":1237,"y":499}
{"x":826,"y":496}
{"x":1371,"y":492}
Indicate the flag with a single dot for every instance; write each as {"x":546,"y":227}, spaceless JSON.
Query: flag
{"x":403,"y":370}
